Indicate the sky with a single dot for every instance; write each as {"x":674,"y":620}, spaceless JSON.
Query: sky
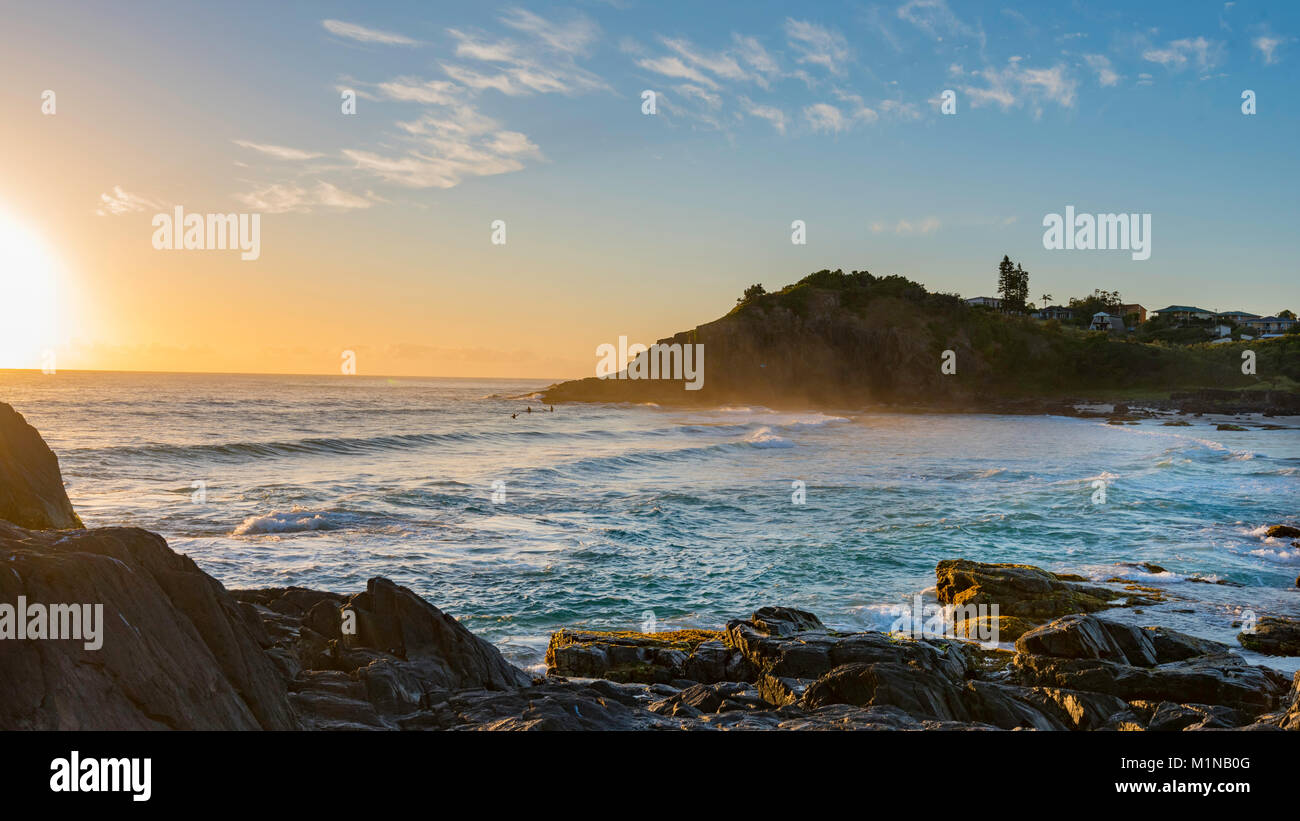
{"x":377,"y":227}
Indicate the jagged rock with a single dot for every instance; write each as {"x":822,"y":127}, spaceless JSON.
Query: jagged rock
{"x":31,"y":486}
{"x":1170,"y":717}
{"x":1017,"y":590}
{"x":394,"y":620}
{"x":785,"y":621}
{"x":1224,"y":680}
{"x":693,"y":655}
{"x":177,"y":650}
{"x":1283,"y":532}
{"x":1171,"y":645}
{"x":1273,"y":636}
{"x":1076,"y":709}
{"x":1006,"y":628}
{"x":1087,"y":637}
{"x":1290,"y":719}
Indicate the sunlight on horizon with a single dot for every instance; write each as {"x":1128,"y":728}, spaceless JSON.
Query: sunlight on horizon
{"x":28,"y":274}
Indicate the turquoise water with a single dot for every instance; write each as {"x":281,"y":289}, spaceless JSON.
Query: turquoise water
{"x":610,"y":511}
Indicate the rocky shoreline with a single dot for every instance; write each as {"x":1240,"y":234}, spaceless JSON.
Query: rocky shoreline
{"x":180,"y":651}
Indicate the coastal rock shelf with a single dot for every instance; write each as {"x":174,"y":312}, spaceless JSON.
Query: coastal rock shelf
{"x":177,"y":650}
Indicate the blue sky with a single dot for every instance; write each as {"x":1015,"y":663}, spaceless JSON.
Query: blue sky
{"x":623,"y":223}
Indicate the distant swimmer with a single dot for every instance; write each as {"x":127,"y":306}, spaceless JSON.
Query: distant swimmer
{"x":530,"y":408}
{"x":552,"y":409}
{"x":514,"y":416}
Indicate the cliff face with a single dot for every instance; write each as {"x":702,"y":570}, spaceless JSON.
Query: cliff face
{"x":31,"y":486}
{"x":853,"y":339}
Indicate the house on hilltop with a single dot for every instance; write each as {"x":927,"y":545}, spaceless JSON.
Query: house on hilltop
{"x":1239,"y":317}
{"x":1184,"y":313}
{"x":1054,"y":312}
{"x":1271,"y":325}
{"x":1102,"y":321}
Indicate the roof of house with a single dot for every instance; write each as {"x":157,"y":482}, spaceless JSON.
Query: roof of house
{"x":1179,"y":309}
{"x":1272,"y":319}
{"x":1238,"y":313}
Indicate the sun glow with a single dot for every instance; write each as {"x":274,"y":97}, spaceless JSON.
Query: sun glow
{"x":27,"y":297}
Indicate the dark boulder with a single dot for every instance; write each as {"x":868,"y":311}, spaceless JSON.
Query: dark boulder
{"x":1018,"y":590}
{"x":1273,"y":636}
{"x":31,"y":487}
{"x":694,"y":655}
{"x":177,"y":650}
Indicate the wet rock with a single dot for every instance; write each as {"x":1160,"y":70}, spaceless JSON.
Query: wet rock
{"x":1017,"y":590}
{"x":1171,"y":717}
{"x":31,"y":486}
{"x":1077,"y":709}
{"x":786,"y":621}
{"x":696,"y":655}
{"x":177,"y":651}
{"x":1283,"y":532}
{"x":1273,"y":636}
{"x":1172,"y":645}
{"x":1290,"y":719}
{"x":803,"y":656}
{"x":1223,"y":680}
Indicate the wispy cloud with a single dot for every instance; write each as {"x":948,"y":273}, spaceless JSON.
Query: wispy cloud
{"x":545,"y":62}
{"x":361,"y":34}
{"x":677,"y":68}
{"x":936,"y":19}
{"x":1106,"y":75}
{"x":825,"y":118}
{"x":279,"y":198}
{"x":444,"y":148}
{"x":1178,"y":54}
{"x":817,"y":45}
{"x":1015,"y":85}
{"x":926,"y":226}
{"x":123,"y":202}
{"x":773,"y":115}
{"x":1267,"y":47}
{"x":278,"y":151}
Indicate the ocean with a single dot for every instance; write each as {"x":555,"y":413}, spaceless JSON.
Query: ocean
{"x":608,"y":516}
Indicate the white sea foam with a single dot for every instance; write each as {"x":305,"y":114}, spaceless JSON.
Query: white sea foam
{"x":765,"y":438}
{"x":297,"y":520}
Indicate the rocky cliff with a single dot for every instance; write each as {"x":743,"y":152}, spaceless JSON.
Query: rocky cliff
{"x":836,"y":339}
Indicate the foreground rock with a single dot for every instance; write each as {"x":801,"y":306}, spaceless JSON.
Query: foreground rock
{"x":694,"y":655}
{"x":1026,"y":596}
{"x":31,"y":486}
{"x":1273,"y":636}
{"x":178,"y":652}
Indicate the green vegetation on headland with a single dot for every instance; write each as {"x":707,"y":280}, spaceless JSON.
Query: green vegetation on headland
{"x":845,"y":339}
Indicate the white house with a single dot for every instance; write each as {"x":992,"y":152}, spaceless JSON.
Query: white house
{"x":1102,"y":321}
{"x":1271,"y":324}
{"x":986,"y":301}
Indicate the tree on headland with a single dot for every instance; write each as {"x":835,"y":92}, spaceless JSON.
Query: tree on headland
{"x":1101,"y":301}
{"x":751,"y":292}
{"x":1013,"y":285}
